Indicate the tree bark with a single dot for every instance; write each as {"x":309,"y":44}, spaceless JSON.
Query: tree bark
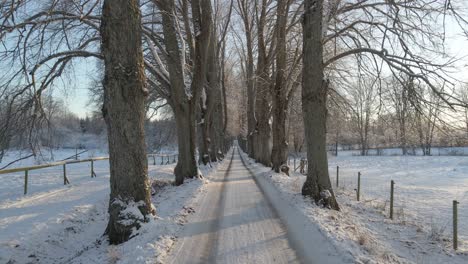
{"x":124,"y":112}
{"x":249,"y":75}
{"x":314,"y":106}
{"x":211,"y":107}
{"x":183,"y":104}
{"x":186,"y":142}
{"x":263,"y":96}
{"x":279,"y":153}
{"x":202,"y":22}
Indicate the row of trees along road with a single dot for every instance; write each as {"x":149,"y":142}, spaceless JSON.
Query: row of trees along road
{"x":183,"y":52}
{"x":349,"y":51}
{"x":148,"y":51}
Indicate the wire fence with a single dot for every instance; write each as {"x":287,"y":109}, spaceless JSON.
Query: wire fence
{"x":398,"y":151}
{"x":432,"y":208}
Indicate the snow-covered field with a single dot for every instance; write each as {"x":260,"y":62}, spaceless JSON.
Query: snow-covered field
{"x":46,"y":179}
{"x":424,"y":190}
{"x":54,"y":223}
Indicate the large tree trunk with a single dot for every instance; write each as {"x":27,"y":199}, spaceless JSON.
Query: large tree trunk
{"x":244,"y":9}
{"x":217,"y":126}
{"x":251,"y":119}
{"x":202,"y":22}
{"x":186,"y":164}
{"x":263,"y":137}
{"x":203,"y":132}
{"x":279,"y":155}
{"x":224,"y":117}
{"x":263,"y":95}
{"x":223,"y":89}
{"x":182,"y":103}
{"x":210,"y":107}
{"x":124,"y":112}
{"x":314,"y":106}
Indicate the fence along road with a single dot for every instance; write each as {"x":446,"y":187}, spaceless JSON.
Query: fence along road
{"x":165,"y":159}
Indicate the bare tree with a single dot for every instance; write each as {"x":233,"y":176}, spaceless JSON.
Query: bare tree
{"x":124,"y":112}
{"x":363,"y":106}
{"x":212,"y":99}
{"x":183,"y":97}
{"x":390,"y":35}
{"x":40,"y":41}
{"x":279,"y":93}
{"x":427,"y":117}
{"x":245,"y":10}
{"x":399,"y":95}
{"x":314,"y":105}
{"x":263,"y":134}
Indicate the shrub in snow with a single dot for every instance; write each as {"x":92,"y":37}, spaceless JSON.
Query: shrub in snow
{"x":437,"y":232}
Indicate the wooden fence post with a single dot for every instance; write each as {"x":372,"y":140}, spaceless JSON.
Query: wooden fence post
{"x":65,"y":179}
{"x":93,"y":174}
{"x":25,"y":182}
{"x":455,"y":224}
{"x":392,"y":188}
{"x":359,"y":186}
{"x":337,"y":176}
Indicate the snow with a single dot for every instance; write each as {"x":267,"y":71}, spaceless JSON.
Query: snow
{"x":435,"y":151}
{"x":131,"y":213}
{"x":424,"y":186}
{"x":12,"y":184}
{"x":65,"y":224}
{"x":54,"y":223}
{"x":420,"y":233}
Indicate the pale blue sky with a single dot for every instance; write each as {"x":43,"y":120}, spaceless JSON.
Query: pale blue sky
{"x":76,"y":96}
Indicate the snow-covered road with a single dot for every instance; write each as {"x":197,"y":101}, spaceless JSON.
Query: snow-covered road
{"x":234,"y":223}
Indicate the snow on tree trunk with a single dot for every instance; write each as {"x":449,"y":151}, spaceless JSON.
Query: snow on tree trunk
{"x":314,"y":106}
{"x":124,"y":112}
